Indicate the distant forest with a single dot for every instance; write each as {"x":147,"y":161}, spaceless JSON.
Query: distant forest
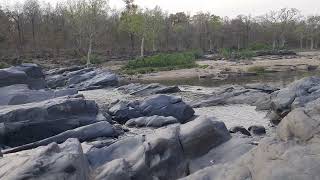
{"x":83,"y":27}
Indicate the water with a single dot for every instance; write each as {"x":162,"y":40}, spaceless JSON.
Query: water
{"x":279,"y":79}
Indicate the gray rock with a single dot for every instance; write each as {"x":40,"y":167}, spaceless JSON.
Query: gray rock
{"x":22,"y":124}
{"x":236,"y":95}
{"x":82,"y":79}
{"x":21,"y":94}
{"x":292,"y":154}
{"x":262,"y":87}
{"x":143,"y":90}
{"x":240,"y":129}
{"x":30,"y":74}
{"x":52,"y":162}
{"x":294,"y":96}
{"x":161,"y":105}
{"x":257,"y":130}
{"x":152,"y":121}
{"x":163,"y":154}
{"x":84,"y":133}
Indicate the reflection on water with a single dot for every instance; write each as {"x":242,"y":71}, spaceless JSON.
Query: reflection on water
{"x":280,"y":79}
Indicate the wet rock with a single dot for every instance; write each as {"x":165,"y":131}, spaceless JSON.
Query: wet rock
{"x":292,"y":153}
{"x":83,"y":79}
{"x":143,"y":90}
{"x":161,"y":105}
{"x":21,"y":94}
{"x":239,"y":129}
{"x":297,"y":94}
{"x":84,"y":133}
{"x":30,"y":74}
{"x":64,"y":161}
{"x":22,"y":124}
{"x":152,"y":121}
{"x":257,"y":130}
{"x":163,"y":154}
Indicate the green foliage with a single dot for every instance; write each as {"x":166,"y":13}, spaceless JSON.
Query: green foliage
{"x":241,"y":54}
{"x":257,"y":69}
{"x":3,"y":65}
{"x":161,"y":62}
{"x":94,"y":59}
{"x":259,"y":46}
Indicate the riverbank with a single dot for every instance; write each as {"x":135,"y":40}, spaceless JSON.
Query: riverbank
{"x":224,"y":69}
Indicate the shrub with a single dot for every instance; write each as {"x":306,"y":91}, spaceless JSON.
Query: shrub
{"x":259,"y":46}
{"x":94,"y":59}
{"x":161,"y":62}
{"x":3,"y":65}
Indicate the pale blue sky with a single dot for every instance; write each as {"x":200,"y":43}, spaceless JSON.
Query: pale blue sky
{"x":220,"y":7}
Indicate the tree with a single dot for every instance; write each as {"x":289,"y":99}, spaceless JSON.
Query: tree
{"x":32,"y":12}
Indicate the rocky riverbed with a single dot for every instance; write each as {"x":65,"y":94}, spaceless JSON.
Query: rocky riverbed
{"x":79,"y":123}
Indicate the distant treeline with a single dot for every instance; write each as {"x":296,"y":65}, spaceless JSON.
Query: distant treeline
{"x":82,"y":27}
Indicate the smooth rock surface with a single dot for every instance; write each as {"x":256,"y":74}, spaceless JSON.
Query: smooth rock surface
{"x":297,"y":94}
{"x":143,"y":90}
{"x":163,"y":154}
{"x":161,"y":105}
{"x":292,"y":154}
{"x":22,"y":124}
{"x":21,"y":94}
{"x":52,"y":162}
{"x":84,"y":133}
{"x":152,"y":121}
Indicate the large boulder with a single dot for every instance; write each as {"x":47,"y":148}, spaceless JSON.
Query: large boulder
{"x":52,"y":162}
{"x":162,"y":155}
{"x":297,"y":94}
{"x":82,"y":79}
{"x":293,"y":153}
{"x":143,"y":90}
{"x":21,"y":94}
{"x":161,"y":105}
{"x":84,"y":133}
{"x":30,"y":74}
{"x":152,"y":121}
{"x":22,"y":124}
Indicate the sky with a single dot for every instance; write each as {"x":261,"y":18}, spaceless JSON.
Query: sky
{"x":222,"y":8}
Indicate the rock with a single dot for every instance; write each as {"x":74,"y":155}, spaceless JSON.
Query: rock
{"x":64,"y":161}
{"x":224,"y":153}
{"x":257,"y":130}
{"x":82,"y":79}
{"x":163,"y":154}
{"x":262,"y":87}
{"x":161,"y":105}
{"x":143,"y":90}
{"x":296,"y":95}
{"x":85,"y":133}
{"x":22,"y":124}
{"x":240,"y":129}
{"x":236,"y":95}
{"x":152,"y":121}
{"x":292,"y":153}
{"x":21,"y":94}
{"x":30,"y":74}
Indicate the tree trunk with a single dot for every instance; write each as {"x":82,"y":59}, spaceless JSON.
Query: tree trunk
{"x":239,"y":46}
{"x":142,"y":47}
{"x":33,"y":34}
{"x":274,"y":44}
{"x":316,"y":44}
{"x":89,"y":50}
{"x":154,"y":49}
{"x":132,"y":42}
{"x":311,"y":43}
{"x":301,"y":42}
